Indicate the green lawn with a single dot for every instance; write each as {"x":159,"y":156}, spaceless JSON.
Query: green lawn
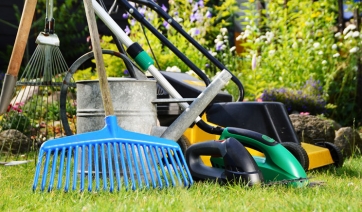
{"x":342,"y":192}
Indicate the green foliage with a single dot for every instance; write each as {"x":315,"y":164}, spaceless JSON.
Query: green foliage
{"x":298,"y":42}
{"x":15,"y":120}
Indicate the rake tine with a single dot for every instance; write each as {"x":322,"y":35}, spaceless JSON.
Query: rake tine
{"x":129,"y":162}
{"x":96,"y":166}
{"x":61,"y":169}
{"x":104,"y":174}
{"x":55,"y":157}
{"x":75,"y":168}
{"x":37,"y":171}
{"x":67,"y":178}
{"x":149,"y":165}
{"x":90,"y":167}
{"x":161,"y":166}
{"x":168,"y":165}
{"x":181,"y":168}
{"x":173,"y":165}
{"x":45,"y":170}
{"x":82,"y":169}
{"x":140,"y":156}
{"x":123,"y":164}
{"x":136,"y":165}
{"x":116,"y":165}
{"x":156,"y":169}
{"x":111,"y":183}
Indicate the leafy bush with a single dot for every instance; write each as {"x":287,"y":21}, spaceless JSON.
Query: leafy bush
{"x":307,"y":99}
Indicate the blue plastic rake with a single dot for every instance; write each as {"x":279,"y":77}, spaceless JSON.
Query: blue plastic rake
{"x":124,"y":159}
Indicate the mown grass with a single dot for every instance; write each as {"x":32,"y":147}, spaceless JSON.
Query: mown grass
{"x":342,"y":191}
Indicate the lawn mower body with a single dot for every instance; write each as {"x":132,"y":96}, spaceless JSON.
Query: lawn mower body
{"x":268,"y":118}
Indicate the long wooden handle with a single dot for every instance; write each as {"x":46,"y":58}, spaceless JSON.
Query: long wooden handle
{"x":21,"y":37}
{"x":103,"y":83}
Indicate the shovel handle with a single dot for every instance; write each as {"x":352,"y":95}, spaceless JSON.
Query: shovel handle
{"x":103,"y":83}
{"x":21,"y":37}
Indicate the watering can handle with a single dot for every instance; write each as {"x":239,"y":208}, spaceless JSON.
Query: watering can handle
{"x":103,"y":83}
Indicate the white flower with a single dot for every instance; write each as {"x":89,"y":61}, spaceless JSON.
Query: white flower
{"x":226,"y":37}
{"x":349,"y":28}
{"x":219,"y":37}
{"x":178,"y":19}
{"x":269,"y":36}
{"x":295,"y":45}
{"x":239,"y":37}
{"x":173,"y":69}
{"x":336,"y":55}
{"x":232,"y":49}
{"x":223,"y":47}
{"x":191,"y":73}
{"x":257,"y":40}
{"x":324,"y":62}
{"x":213,"y":53}
{"x":272,"y":52}
{"x":355,"y":34}
{"x":320,"y":52}
{"x":224,"y":31}
{"x":349,"y":34}
{"x":224,"y":54}
{"x":354,"y":50}
{"x":334,"y":46}
{"x":300,"y":40}
{"x":253,"y":62}
{"x":316,"y":45}
{"x":337,"y":35}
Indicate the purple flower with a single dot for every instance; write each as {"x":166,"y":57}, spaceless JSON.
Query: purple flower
{"x":195,"y":8}
{"x":201,"y":3}
{"x":127,"y":30}
{"x":196,"y":17}
{"x":125,"y":15}
{"x":142,"y":10}
{"x":126,"y":72}
{"x":164,"y":8}
{"x":190,"y":1}
{"x":133,"y":22}
{"x":166,"y":25}
{"x":208,"y":14}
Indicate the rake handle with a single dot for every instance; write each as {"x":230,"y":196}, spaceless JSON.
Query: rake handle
{"x":21,"y":37}
{"x":103,"y":83}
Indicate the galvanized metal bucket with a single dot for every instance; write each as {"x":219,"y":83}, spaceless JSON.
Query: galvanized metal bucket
{"x":132,"y":101}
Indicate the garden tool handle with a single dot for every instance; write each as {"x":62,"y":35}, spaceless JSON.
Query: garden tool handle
{"x":21,"y":37}
{"x":197,"y":168}
{"x":17,"y":54}
{"x":103,"y":83}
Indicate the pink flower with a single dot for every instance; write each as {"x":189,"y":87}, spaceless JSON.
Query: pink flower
{"x":304,"y":113}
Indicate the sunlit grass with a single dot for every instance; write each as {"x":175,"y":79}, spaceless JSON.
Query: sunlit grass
{"x":342,"y":191}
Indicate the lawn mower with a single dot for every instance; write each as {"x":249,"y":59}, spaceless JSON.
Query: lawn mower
{"x":268,"y":118}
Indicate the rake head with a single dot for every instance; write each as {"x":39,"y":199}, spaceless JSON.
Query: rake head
{"x":111,"y":158}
